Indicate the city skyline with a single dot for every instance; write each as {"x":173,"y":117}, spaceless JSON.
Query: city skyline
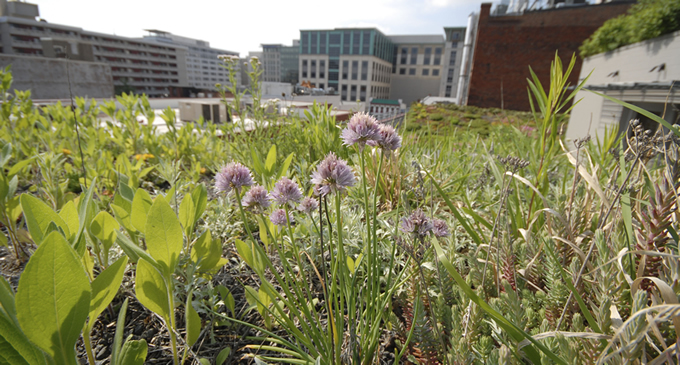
{"x":246,"y":26}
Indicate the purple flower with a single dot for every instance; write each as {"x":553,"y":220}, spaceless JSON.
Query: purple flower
{"x":361,"y":129}
{"x":389,"y":139}
{"x":417,"y":224}
{"x":278,"y":217}
{"x":332,"y":176}
{"x":308,"y":205}
{"x":440,"y":229}
{"x":286,"y":191}
{"x":256,"y":200}
{"x":233,"y":176}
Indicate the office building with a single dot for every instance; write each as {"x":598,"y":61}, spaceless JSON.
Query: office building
{"x":416,"y":66}
{"x":357,"y":63}
{"x":453,"y":59}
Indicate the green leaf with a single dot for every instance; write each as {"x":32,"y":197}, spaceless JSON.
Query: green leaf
{"x":151,"y":289}
{"x":284,"y":167}
{"x":5,"y":154}
{"x":163,"y":235}
{"x":20,"y":166}
{"x":123,"y":217}
{"x":53,"y":299}
{"x":104,"y":289}
{"x":134,"y":252}
{"x":192,"y":208}
{"x":104,"y":227}
{"x":118,"y":335}
{"x":69,"y":213}
{"x":15,"y":348}
{"x":39,"y":216}
{"x":140,"y":208}
{"x":222,"y":356}
{"x":271,"y":159}
{"x":193,"y":322}
{"x":207,"y":252}
{"x":264,"y":236}
{"x":257,"y":163}
{"x":228,"y":298}
{"x":133,"y":352}
{"x":3,"y":239}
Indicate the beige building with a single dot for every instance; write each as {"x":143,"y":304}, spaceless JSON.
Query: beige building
{"x":417,"y":67}
{"x":645,"y":74}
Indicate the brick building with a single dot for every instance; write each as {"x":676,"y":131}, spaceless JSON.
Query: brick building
{"x":507,"y":45}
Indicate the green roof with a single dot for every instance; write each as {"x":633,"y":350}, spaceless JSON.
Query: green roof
{"x":385,"y":101}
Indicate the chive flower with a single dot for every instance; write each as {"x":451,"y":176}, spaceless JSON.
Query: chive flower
{"x":286,"y":191}
{"x":278,"y":217}
{"x":233,"y":176}
{"x":308,"y":205}
{"x":332,"y":176}
{"x":361,"y":129}
{"x":440,"y":228}
{"x":389,"y":139}
{"x":256,"y":200}
{"x":416,"y":224}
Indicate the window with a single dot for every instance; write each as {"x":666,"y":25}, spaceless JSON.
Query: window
{"x":353,"y":93}
{"x":345,"y":42}
{"x":334,"y":38}
{"x":356,"y":42}
{"x":449,"y":77}
{"x":313,"y":71}
{"x":304,"y":68}
{"x":345,"y":69}
{"x":367,"y":42}
{"x":454,"y":44}
{"x":344,"y":92}
{"x":362,"y":93}
{"x":364,"y":70}
{"x":437,"y":56}
{"x":452,"y":60}
{"x":332,"y":75}
{"x":404,"y":53}
{"x":411,"y":71}
{"x":448,"y":91}
{"x":426,"y":72}
{"x":321,"y":86}
{"x":322,"y":69}
{"x":435,"y":72}
{"x":414,"y":55}
{"x":355,"y":69}
{"x":322,"y":41}
{"x":315,"y":49}
{"x":428,"y":53}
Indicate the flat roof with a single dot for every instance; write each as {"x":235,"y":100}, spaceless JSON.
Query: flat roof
{"x":385,"y":101}
{"x":666,"y":85}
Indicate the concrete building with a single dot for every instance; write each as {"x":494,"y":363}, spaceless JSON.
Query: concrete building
{"x":271,"y":62}
{"x":204,"y":70}
{"x":507,"y":45}
{"x":290,"y":62}
{"x":417,"y":66}
{"x":355,"y":62}
{"x":384,"y":109}
{"x":645,"y":74}
{"x":453,"y":60}
{"x":50,"y":78}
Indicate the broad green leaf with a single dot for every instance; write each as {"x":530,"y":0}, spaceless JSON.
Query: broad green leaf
{"x":15,"y":348}
{"x":53,"y":299}
{"x":257,"y":163}
{"x":88,"y":264}
{"x":104,"y":289}
{"x":69,"y":213}
{"x":20,"y":166}
{"x":140,"y":208}
{"x":3,"y":239}
{"x":5,"y":154}
{"x":228,"y":298}
{"x":187,"y":210}
{"x":164,"y":239}
{"x":123,"y":217}
{"x":245,"y":252}
{"x":104,"y":227}
{"x":264,"y":236}
{"x":126,"y":192}
{"x":204,"y":361}
{"x":151,"y":289}
{"x":134,"y":252}
{"x":39,"y":216}
{"x":193,"y":322}
{"x":133,"y":352}
{"x":271,"y":159}
{"x":86,"y":211}
{"x":14,"y":208}
{"x":251,"y":297}
{"x":222,"y":356}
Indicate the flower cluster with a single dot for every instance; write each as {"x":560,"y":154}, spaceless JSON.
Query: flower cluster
{"x":332,"y":176}
{"x":256,"y":200}
{"x":233,"y":176}
{"x":308,"y":205}
{"x":286,"y":191}
{"x":419,"y":225}
{"x":363,"y":129}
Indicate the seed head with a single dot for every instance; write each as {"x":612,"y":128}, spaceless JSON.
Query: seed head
{"x":308,"y":205}
{"x":440,"y":229}
{"x":256,"y":200}
{"x":332,"y":176}
{"x":286,"y":191}
{"x":233,"y":176}
{"x":361,"y":129}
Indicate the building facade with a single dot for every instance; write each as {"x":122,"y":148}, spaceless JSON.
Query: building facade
{"x":290,"y":62}
{"x":507,"y":45}
{"x":417,"y":66}
{"x":271,"y":62}
{"x":453,"y":60}
{"x":203,"y":68}
{"x":356,"y":63}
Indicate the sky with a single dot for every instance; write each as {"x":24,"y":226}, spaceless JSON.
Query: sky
{"x":242,"y":26}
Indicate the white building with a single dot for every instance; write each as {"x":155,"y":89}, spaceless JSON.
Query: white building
{"x":417,"y":67}
{"x":644,"y":74}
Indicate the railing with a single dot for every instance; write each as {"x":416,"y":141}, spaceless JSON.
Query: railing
{"x":395,"y":121}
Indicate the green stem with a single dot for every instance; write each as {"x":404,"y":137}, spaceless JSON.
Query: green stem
{"x":171,"y":320}
{"x":88,"y":346}
{"x":243,"y":214}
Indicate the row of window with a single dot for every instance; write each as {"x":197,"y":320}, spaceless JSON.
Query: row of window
{"x":353,"y":92}
{"x":404,"y":59}
{"x":425,"y":72}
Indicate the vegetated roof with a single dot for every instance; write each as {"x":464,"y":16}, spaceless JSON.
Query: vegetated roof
{"x":667,"y":85}
{"x":385,"y":101}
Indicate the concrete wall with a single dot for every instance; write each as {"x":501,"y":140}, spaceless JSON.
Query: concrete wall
{"x":507,"y":45}
{"x":413,"y":88}
{"x":48,"y":79}
{"x":615,"y":74}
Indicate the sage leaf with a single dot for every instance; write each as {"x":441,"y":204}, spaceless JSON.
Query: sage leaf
{"x":151,"y":289}
{"x":39,"y":216}
{"x":141,"y":204}
{"x":105,"y":287}
{"x":104,"y":227}
{"x":163,"y":235}
{"x":53,"y":298}
{"x":193,"y":322}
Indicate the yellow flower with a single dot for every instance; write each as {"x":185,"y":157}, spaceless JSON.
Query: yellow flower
{"x":65,"y":151}
{"x":139,"y":157}
{"x":203,"y":170}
